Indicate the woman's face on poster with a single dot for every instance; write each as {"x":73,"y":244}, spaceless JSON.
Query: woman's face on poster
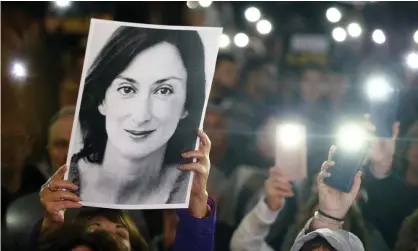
{"x":145,"y":102}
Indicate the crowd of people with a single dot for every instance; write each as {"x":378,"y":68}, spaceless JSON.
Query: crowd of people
{"x":241,"y":200}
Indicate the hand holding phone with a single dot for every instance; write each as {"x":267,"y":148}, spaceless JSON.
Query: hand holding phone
{"x":349,"y":156}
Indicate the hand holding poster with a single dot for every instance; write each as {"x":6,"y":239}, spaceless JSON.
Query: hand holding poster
{"x":141,"y":101}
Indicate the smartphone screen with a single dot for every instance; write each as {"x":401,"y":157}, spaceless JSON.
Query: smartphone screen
{"x":347,"y":164}
{"x":291,"y":150}
{"x":383,"y":114}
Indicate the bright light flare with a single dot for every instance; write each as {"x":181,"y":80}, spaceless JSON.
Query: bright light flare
{"x":412,"y":60}
{"x":416,"y":37}
{"x":378,"y":36}
{"x":264,"y":27}
{"x":333,"y":15}
{"x":351,"y":137}
{"x":354,"y":30}
{"x":290,"y":135}
{"x":205,"y":3}
{"x":241,"y":40}
{"x":62,"y":4}
{"x":224,"y":41}
{"x":192,"y":4}
{"x":19,"y":70}
{"x":339,"y":34}
{"x":378,"y":88}
{"x":252,"y":14}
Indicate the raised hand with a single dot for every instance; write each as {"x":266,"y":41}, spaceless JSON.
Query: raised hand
{"x":277,"y":188}
{"x":382,"y":150}
{"x":332,"y":201}
{"x":199,"y":196}
{"x":56,"y":197}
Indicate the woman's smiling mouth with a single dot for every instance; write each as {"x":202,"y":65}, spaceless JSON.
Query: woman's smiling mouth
{"x":139,"y":134}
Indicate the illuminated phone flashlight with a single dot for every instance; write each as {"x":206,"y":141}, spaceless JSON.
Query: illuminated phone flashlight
{"x":351,"y":137}
{"x":18,"y":70}
{"x":378,"y":88}
{"x":412,"y":61}
{"x":290,"y":135}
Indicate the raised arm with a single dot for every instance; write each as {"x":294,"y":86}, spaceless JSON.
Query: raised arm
{"x":255,"y":226}
{"x":328,"y":220}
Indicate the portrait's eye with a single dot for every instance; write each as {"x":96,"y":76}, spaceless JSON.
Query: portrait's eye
{"x":126,"y":90}
{"x":164,"y":91}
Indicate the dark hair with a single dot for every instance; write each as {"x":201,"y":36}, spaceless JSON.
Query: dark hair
{"x":123,"y":46}
{"x":120,"y":217}
{"x":71,"y":235}
{"x":408,"y":235}
{"x":316,"y":243}
{"x":225,"y":57}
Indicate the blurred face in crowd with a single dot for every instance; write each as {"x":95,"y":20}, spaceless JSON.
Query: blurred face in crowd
{"x":143,"y":108}
{"x":313,"y":84}
{"x":59,"y":140}
{"x":16,"y":141}
{"x":226,"y":74}
{"x":104,"y":224}
{"x":215,"y":127}
{"x":264,"y":80}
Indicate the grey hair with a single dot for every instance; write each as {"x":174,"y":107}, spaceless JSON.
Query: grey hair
{"x":65,"y":111}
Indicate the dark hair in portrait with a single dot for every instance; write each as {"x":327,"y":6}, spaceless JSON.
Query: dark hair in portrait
{"x":125,"y":44}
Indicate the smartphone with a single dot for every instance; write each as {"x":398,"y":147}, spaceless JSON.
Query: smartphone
{"x":347,"y":164}
{"x":291,"y":151}
{"x":383,"y":114}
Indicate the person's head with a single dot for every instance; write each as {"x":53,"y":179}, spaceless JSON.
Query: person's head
{"x":317,"y":244}
{"x":259,"y":76}
{"x":407,"y":156}
{"x":408,"y":235}
{"x":216,"y":128}
{"x":76,"y":236}
{"x":226,"y":72}
{"x":354,"y":221}
{"x":144,"y":92}
{"x":59,"y":135}
{"x":116,"y":222}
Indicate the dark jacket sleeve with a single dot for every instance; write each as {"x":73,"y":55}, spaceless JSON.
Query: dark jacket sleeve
{"x":34,"y":236}
{"x":195,"y":234}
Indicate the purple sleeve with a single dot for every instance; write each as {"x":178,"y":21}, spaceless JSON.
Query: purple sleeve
{"x":195,"y":234}
{"x":34,"y":235}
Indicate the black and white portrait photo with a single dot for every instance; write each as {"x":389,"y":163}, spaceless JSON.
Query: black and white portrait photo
{"x":142,"y":99}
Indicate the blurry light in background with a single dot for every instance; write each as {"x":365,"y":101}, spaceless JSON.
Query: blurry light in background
{"x":339,"y":34}
{"x":378,"y":36}
{"x":354,"y":30}
{"x":192,"y":4}
{"x":224,"y":41}
{"x":378,"y":88}
{"x":62,"y":4}
{"x":205,"y":3}
{"x":252,"y":14}
{"x":264,"y":26}
{"x":19,"y":70}
{"x":416,"y":36}
{"x":241,"y":40}
{"x":333,"y":15}
{"x":290,"y":135}
{"x":351,"y":137}
{"x":412,"y":60}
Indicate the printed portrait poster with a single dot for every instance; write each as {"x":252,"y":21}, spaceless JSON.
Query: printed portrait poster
{"x":142,"y":99}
